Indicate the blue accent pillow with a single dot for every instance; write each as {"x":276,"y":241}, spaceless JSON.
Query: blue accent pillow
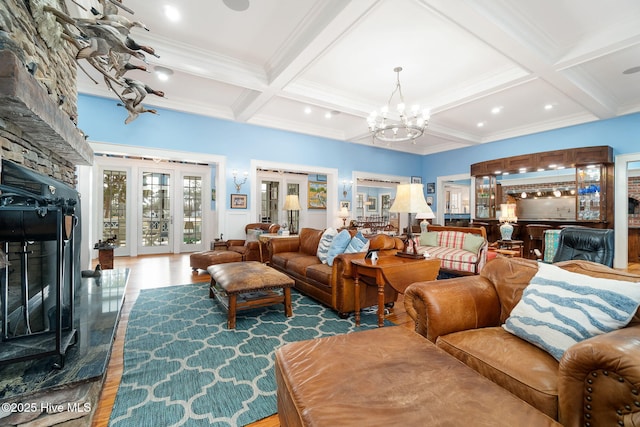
{"x":560,"y":308}
{"x":325,"y":242}
{"x":338,"y":245}
{"x":358,"y":243}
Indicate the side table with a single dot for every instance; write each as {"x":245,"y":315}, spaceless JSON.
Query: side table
{"x":220,"y":245}
{"x":397,"y":272}
{"x":511,"y":245}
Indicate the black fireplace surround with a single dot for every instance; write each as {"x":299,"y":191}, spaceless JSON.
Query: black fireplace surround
{"x":40,"y":239}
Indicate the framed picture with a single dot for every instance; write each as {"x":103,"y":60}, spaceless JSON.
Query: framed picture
{"x":238,"y":201}
{"x":345,"y":204}
{"x":317,"y":196}
{"x":429,"y":200}
{"x":372,"y":204}
{"x":431,"y":187}
{"x":213,"y":195}
{"x":416,"y":180}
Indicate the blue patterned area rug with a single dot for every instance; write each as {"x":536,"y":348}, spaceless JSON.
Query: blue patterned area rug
{"x":183,"y":367}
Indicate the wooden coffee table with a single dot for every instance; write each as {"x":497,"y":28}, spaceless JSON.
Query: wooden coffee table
{"x":395,"y":271}
{"x":246,"y":285}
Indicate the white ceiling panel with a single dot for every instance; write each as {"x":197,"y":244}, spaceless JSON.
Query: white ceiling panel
{"x":460,"y":59}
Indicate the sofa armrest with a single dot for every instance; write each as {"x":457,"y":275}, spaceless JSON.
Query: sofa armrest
{"x":440,"y":307}
{"x":284,"y":244}
{"x":599,"y":380}
{"x":235,"y":242}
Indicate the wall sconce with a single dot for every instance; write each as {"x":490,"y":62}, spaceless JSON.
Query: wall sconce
{"x":346,"y":189}
{"x":235,"y":181}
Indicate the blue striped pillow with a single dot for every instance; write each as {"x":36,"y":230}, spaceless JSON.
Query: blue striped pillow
{"x":325,"y":242}
{"x":559,"y":308}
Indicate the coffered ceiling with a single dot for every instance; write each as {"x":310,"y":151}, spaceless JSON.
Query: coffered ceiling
{"x":275,"y":60}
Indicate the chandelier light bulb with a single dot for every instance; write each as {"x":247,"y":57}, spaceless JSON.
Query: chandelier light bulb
{"x":404,"y":125}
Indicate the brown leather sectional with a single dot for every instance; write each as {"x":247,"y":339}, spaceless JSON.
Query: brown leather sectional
{"x":597,"y":381}
{"x":330,"y":285}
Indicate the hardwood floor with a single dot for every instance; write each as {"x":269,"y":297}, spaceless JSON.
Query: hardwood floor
{"x":166,"y":270}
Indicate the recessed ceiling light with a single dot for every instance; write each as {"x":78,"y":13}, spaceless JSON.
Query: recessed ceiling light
{"x":480,"y":124}
{"x":327,"y":115}
{"x":548,"y":107}
{"x":496,"y":110}
{"x":632,"y":70}
{"x":307,"y":110}
{"x":237,"y":5}
{"x":163,"y":73}
{"x":171,"y":13}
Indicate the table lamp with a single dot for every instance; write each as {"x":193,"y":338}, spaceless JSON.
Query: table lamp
{"x":507,"y":216}
{"x":344,"y":214}
{"x":291,"y":203}
{"x":424,"y":216}
{"x":409,"y":199}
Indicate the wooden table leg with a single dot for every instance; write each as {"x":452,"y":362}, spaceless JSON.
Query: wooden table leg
{"x":380,"y":284}
{"x":357,"y":299}
{"x":287,"y":302}
{"x":231,"y":315}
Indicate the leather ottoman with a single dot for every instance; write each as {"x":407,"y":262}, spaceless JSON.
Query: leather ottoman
{"x":389,"y":376}
{"x":202,"y":260}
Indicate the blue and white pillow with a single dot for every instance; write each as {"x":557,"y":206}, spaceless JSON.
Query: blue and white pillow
{"x":325,"y":242}
{"x":358,"y":243}
{"x":559,"y":308}
{"x":338,"y":245}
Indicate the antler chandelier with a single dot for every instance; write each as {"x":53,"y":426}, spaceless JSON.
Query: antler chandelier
{"x":409,"y":125}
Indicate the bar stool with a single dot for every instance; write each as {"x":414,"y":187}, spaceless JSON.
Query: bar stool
{"x":535,"y":232}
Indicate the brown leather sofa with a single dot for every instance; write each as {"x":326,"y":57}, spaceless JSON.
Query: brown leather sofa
{"x":331,"y":285}
{"x":248,"y":248}
{"x":597,"y":381}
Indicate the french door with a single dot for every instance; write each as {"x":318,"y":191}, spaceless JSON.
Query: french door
{"x":153,"y":210}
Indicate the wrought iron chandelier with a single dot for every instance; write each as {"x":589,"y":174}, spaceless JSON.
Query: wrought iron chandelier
{"x":409,"y":124}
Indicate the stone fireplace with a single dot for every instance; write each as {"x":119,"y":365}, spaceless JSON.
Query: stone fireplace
{"x":38,"y":130}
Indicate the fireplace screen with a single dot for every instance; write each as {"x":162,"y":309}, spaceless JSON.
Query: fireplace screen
{"x":39,"y":219}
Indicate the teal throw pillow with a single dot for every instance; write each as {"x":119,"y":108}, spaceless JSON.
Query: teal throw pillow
{"x":325,"y":242}
{"x":560,"y":308}
{"x":472,"y":242}
{"x":429,"y":238}
{"x":338,"y":245}
{"x":358,"y":243}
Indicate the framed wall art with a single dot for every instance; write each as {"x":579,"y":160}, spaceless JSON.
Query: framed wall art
{"x":431,"y":187}
{"x":238,"y":201}
{"x":416,"y":180}
{"x":317,"y":196}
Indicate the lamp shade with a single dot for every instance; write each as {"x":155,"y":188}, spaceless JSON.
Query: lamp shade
{"x":508,"y":212}
{"x":344,"y":212}
{"x":410,"y":199}
{"x":425,"y":215}
{"x":291,"y":203}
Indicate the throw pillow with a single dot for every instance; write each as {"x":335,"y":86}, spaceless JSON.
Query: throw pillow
{"x":358,"y":243}
{"x":325,"y":242}
{"x":429,"y":238}
{"x":559,"y":308}
{"x":338,"y":245}
{"x":472,"y":242}
{"x":252,"y":235}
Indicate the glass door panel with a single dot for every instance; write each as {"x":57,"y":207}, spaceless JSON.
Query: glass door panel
{"x":192,"y":227}
{"x":269,"y":194}
{"x":155,"y":223}
{"x":114,"y":208}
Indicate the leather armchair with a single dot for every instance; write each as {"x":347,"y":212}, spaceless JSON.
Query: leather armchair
{"x":583,"y":243}
{"x":248,"y":248}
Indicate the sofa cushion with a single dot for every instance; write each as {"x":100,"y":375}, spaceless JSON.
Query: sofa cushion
{"x":281,"y":259}
{"x":298,"y":265}
{"x":320,"y":273}
{"x":429,"y":238}
{"x":309,"y":240}
{"x":560,"y":308}
{"x":358,"y":243}
{"x":472,"y":242}
{"x":451,"y":239}
{"x":338,"y":245}
{"x":325,"y":243}
{"x":451,"y":258}
{"x":523,"y":369}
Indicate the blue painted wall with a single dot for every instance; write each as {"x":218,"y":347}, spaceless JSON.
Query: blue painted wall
{"x":103,"y":121}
